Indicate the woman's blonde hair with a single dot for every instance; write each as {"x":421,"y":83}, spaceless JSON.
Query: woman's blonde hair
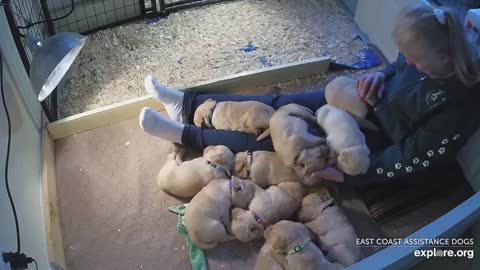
{"x":418,"y":25}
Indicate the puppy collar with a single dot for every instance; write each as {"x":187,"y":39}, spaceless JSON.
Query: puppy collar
{"x":297,"y":248}
{"x":210,"y":115}
{"x":328,"y":206}
{"x":258,"y":219}
{"x":219,"y":168}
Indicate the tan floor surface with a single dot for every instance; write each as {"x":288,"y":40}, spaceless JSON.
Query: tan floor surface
{"x":113,"y":215}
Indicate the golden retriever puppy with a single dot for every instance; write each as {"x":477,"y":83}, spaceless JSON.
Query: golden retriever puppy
{"x":264,"y":168}
{"x":342,"y":93}
{"x":244,"y":116}
{"x":335,"y":233}
{"x":207,"y":217}
{"x":345,"y":139}
{"x":265,"y":261}
{"x":186,"y":178}
{"x":295,"y":146}
{"x":267,"y":207}
{"x":292,"y":245}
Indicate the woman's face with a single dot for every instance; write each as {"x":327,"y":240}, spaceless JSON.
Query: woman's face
{"x":432,"y":64}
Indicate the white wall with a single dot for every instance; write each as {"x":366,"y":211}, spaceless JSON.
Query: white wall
{"x":376,"y":19}
{"x":25,"y":162}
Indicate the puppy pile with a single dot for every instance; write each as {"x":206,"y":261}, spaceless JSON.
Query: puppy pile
{"x":247,"y":196}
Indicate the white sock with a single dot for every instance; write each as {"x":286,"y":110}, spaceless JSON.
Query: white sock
{"x":155,"y":124}
{"x":172,"y":99}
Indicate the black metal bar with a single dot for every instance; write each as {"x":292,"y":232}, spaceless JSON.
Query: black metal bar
{"x":16,"y":37}
{"x":181,"y":2}
{"x":142,"y":6}
{"x":196,"y":3}
{"x":48,"y":18}
{"x":110,"y":25}
{"x":50,"y":110}
{"x":162,"y":6}
{"x":154,"y":8}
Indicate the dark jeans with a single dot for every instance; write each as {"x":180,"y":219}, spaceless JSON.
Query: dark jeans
{"x":199,"y":138}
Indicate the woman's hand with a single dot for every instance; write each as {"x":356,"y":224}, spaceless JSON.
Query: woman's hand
{"x":370,"y":87}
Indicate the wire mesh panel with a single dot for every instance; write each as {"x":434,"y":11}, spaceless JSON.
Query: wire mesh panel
{"x":93,"y":15}
{"x":21,"y":16}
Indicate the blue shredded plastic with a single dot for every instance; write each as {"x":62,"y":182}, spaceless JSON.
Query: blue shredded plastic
{"x":369,"y":60}
{"x":265,"y":62}
{"x":153,"y":21}
{"x":249,"y":48}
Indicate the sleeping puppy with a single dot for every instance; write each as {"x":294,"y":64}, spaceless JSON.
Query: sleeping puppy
{"x":342,"y":93}
{"x":244,"y":116}
{"x":264,"y":168}
{"x":295,"y":146}
{"x":186,"y":178}
{"x":345,"y":139}
{"x":207,"y":217}
{"x":267,"y":207}
{"x":265,"y":261}
{"x":291,"y":244}
{"x":336,"y":235}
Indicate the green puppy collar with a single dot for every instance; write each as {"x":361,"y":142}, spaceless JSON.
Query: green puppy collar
{"x":297,"y":248}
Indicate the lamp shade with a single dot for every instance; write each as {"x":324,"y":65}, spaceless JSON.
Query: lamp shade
{"x":51,"y":60}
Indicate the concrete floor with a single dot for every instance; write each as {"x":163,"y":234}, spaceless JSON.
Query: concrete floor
{"x":113,"y":215}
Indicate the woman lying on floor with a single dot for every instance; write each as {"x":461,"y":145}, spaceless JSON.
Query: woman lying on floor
{"x":427,"y":105}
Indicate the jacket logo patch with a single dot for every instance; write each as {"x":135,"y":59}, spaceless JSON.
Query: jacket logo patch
{"x":436,"y":96}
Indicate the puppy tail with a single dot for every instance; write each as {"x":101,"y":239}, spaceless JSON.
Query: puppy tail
{"x":264,"y":135}
{"x":364,"y":123}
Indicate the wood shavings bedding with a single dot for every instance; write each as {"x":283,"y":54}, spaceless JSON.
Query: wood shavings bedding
{"x":199,"y":44}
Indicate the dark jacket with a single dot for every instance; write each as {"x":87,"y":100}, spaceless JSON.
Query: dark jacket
{"x":428,"y":121}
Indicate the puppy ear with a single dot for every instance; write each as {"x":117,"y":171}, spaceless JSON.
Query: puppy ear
{"x":207,"y":149}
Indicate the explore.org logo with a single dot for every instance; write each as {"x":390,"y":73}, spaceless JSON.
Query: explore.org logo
{"x":425,"y":247}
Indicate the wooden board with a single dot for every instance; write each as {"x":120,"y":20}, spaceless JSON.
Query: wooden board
{"x":131,"y":108}
{"x":53,"y":232}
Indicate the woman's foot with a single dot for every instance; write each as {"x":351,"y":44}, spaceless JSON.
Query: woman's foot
{"x":155,"y":124}
{"x":171,"y":99}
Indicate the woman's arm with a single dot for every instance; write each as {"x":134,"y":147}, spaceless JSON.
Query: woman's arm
{"x":390,"y":69}
{"x":433,"y":144}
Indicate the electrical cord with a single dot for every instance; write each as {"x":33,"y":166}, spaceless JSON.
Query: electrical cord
{"x":17,"y":260}
{"x":36,"y":265}
{"x":7,"y":158}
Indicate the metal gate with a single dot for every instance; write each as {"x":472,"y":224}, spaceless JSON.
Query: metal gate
{"x":47,"y":17}
{"x":20,"y":14}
